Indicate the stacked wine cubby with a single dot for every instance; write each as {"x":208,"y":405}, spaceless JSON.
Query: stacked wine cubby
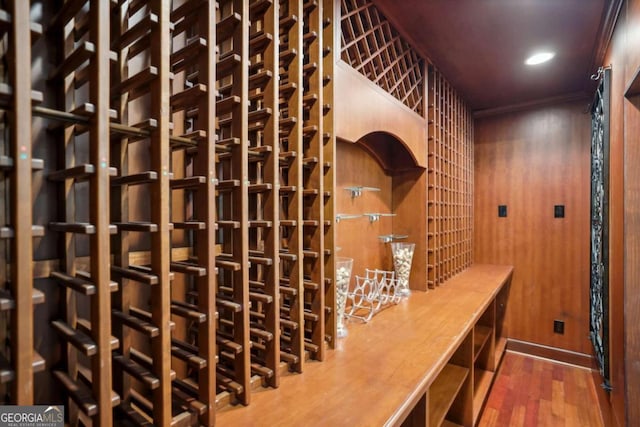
{"x":232,"y":76}
{"x":329,"y":58}
{"x":264,"y":195}
{"x":193,"y":143}
{"x":139,"y":130}
{"x":188,"y":154}
{"x":291,"y":291}
{"x":450,"y":181}
{"x":313,"y":181}
{"x":18,"y":296}
{"x":80,"y":132}
{"x":374,"y":48}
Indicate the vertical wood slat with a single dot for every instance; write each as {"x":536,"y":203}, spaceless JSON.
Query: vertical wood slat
{"x":294,"y":200}
{"x":21,"y":211}
{"x":270,"y":198}
{"x":159,"y":153}
{"x":205,"y":202}
{"x":240,"y":208}
{"x":99,"y":209}
{"x":314,"y":205}
{"x":330,"y":15}
{"x":66,"y":155}
{"x":119,"y":210}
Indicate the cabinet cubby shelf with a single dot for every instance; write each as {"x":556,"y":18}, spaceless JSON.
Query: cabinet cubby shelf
{"x":444,"y":390}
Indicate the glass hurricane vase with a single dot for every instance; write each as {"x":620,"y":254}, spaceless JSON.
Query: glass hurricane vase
{"x":402,"y":256}
{"x":343,"y":278}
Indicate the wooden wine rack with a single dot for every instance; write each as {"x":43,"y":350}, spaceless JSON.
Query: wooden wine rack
{"x":198,"y":141}
{"x":18,"y":359}
{"x":330,"y":15}
{"x":313,"y":183}
{"x":291,"y":291}
{"x":374,"y":48}
{"x":450,"y":182}
{"x":192,"y":177}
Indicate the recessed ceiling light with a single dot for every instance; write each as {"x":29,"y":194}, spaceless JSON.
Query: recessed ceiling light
{"x":539,"y":58}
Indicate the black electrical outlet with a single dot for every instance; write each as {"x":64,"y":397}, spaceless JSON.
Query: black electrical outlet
{"x":502,"y":211}
{"x":558,"y":327}
{"x":558,"y":211}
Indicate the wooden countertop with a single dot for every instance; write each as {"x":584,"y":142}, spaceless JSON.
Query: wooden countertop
{"x":378,"y":373}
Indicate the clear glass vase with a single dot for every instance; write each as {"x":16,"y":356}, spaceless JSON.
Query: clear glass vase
{"x":402,"y":256}
{"x":343,"y":278}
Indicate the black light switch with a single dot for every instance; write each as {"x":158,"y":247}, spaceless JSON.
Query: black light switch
{"x":558,"y":211}
{"x":502,"y":211}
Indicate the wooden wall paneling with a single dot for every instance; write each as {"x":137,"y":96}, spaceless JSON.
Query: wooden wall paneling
{"x":193,"y":105}
{"x":232,"y":30}
{"x":409,"y":201}
{"x":17,"y":230}
{"x":356,"y":167}
{"x":291,"y":185}
{"x":313,"y":192}
{"x":632,"y":244}
{"x":624,"y":58}
{"x":617,"y":57}
{"x":550,"y":255}
{"x":329,"y":48}
{"x":84,"y":71}
{"x":264,"y":233}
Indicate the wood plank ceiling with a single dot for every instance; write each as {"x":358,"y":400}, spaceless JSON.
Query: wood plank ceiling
{"x":481,"y":45}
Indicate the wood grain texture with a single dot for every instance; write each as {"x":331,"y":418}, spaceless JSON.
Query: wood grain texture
{"x":358,"y":238}
{"x":382,"y":365}
{"x":616,"y":57}
{"x":159,"y":156}
{"x":99,"y":16}
{"x":531,"y":161}
{"x":21,"y":280}
{"x":537,"y":392}
{"x":409,"y":198}
{"x":365,"y":108}
{"x":624,"y":57}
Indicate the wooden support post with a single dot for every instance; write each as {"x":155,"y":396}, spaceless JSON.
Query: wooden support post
{"x":240,"y":208}
{"x":267,"y":137}
{"x":314,"y":185}
{"x":292,"y":201}
{"x":99,"y":210}
{"x":329,"y":47}
{"x":21,"y":209}
{"x":159,"y":154}
{"x":205,"y":209}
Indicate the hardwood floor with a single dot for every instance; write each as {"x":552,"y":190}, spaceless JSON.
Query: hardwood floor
{"x":533,"y":392}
